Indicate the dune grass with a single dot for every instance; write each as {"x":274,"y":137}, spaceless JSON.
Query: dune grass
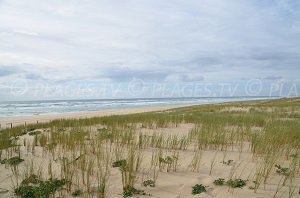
{"x":86,"y":151}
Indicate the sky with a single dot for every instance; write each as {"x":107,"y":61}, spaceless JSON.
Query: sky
{"x":82,"y":49}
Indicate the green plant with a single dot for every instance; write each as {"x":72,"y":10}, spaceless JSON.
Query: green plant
{"x":149,"y":182}
{"x":119,"y":163}
{"x":282,"y":170}
{"x":167,"y":160}
{"x":219,"y":182}
{"x":198,"y":188}
{"x":41,"y":189}
{"x":13,"y":161}
{"x":32,"y":179}
{"x":129,"y":191}
{"x":170,"y":161}
{"x":236,"y":183}
{"x":76,"y":193}
{"x":228,"y":162}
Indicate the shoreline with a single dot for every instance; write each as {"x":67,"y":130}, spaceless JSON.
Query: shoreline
{"x":11,"y":121}
{"x":7,"y":122}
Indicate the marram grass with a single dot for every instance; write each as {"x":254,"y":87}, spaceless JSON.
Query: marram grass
{"x":84,"y":149}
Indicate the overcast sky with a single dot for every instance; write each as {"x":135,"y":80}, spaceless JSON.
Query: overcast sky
{"x":148,"y":46}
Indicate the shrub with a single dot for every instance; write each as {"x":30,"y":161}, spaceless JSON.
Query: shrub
{"x":149,"y":182}
{"x":236,"y":183}
{"x":76,"y":193}
{"x":40,"y":189}
{"x":168,"y":159}
{"x":119,"y":163}
{"x":32,"y":179}
{"x":282,"y":170}
{"x":219,"y":182}
{"x":129,"y":191}
{"x":198,"y":188}
{"x":228,"y":162}
{"x":12,"y":161}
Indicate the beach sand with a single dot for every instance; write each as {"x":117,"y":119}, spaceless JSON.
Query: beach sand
{"x":173,"y":184}
{"x":169,"y":184}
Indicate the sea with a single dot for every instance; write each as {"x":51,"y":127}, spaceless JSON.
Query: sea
{"x":27,"y":108}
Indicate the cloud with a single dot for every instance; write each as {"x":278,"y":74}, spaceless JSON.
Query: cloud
{"x":186,"y":41}
{"x":32,"y":76}
{"x":8,"y":70}
{"x":26,"y":33}
{"x":273,"y":78}
{"x":126,"y":74}
{"x":185,"y":78}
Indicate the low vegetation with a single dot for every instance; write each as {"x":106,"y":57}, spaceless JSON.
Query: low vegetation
{"x":236,"y":183}
{"x":13,"y":161}
{"x":198,"y":188}
{"x":39,"y":188}
{"x":149,"y":182}
{"x":219,"y":182}
{"x":124,"y":155}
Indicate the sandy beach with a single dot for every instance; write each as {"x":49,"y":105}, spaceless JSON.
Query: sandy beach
{"x":166,"y":154}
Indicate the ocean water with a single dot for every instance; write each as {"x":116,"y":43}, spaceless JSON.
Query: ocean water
{"x":22,"y":108}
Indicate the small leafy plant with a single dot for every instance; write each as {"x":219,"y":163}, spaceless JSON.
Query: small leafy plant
{"x":40,"y":189}
{"x":228,"y":162}
{"x":14,"y":161}
{"x":32,"y":179}
{"x":236,"y":183}
{"x":76,"y":193}
{"x":219,"y":182}
{"x":129,"y":191}
{"x":149,"y":182}
{"x":198,"y":188}
{"x":119,"y":163}
{"x":167,"y":160}
{"x":282,"y":170}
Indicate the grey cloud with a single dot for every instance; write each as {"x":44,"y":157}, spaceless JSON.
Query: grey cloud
{"x":33,"y":76}
{"x":8,"y":70}
{"x":198,"y":62}
{"x":191,"y":78}
{"x":180,"y":40}
{"x":127,"y":74}
{"x":185,"y":77}
{"x":272,"y":78}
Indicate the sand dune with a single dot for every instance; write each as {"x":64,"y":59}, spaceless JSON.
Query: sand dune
{"x":216,"y":141}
